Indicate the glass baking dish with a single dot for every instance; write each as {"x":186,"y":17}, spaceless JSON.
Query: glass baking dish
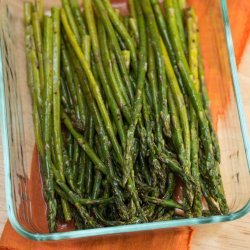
{"x":23,"y":187}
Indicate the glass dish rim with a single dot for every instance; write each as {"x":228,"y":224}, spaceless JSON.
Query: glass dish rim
{"x":127,"y":228}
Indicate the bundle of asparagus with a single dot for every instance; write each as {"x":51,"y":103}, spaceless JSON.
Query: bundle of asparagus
{"x":121,"y":113}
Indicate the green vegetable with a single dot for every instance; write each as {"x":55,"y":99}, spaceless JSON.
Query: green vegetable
{"x":194,"y":129}
{"x":93,"y":85}
{"x":121,"y":113}
{"x":47,"y":126}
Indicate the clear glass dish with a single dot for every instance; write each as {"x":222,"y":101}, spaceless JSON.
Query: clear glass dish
{"x":18,"y":137}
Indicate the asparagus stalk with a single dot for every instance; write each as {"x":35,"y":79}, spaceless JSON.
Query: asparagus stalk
{"x":56,"y":81}
{"x":31,"y":69}
{"x":206,"y":104}
{"x":114,"y":42}
{"x":56,"y":100}
{"x":156,"y":44}
{"x":71,"y":19}
{"x":185,"y":72}
{"x":86,"y":47}
{"x":39,"y":45}
{"x":133,"y":29}
{"x":123,"y":110}
{"x":164,"y":203}
{"x":193,"y":64}
{"x":89,"y":165}
{"x":104,"y":144}
{"x":114,"y":181}
{"x":75,"y":8}
{"x":47,"y":126}
{"x":118,"y":78}
{"x":82,"y":201}
{"x":132,"y":9}
{"x":160,"y":19}
{"x":98,"y":176}
{"x":136,"y":111}
{"x":117,"y":92}
{"x":123,"y":32}
{"x":93,"y":86}
{"x":138,"y":99}
{"x":83,"y":143}
{"x":101,"y":72}
{"x":179,"y":102}
{"x":39,"y":4}
{"x":179,"y":21}
{"x":152,"y":76}
{"x":182,"y":4}
{"x":73,"y":199}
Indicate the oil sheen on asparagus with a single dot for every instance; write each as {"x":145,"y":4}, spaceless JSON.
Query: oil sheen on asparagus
{"x":121,"y":113}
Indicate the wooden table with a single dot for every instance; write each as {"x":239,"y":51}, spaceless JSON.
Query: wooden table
{"x":231,"y":235}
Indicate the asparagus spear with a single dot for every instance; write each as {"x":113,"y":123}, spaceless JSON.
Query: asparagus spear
{"x":155,"y":113}
{"x":206,"y":104}
{"x":37,"y":85}
{"x":115,"y":45}
{"x":114,"y":181}
{"x":101,"y":72}
{"x":56,"y":100}
{"x":82,"y":201}
{"x":133,"y":29}
{"x":67,"y":69}
{"x":123,"y":32}
{"x":98,"y":176}
{"x":39,"y":4}
{"x":118,"y":78}
{"x":31,"y":67}
{"x":185,"y":72}
{"x":136,"y":111}
{"x":73,"y":199}
{"x":71,"y":20}
{"x":104,"y":143}
{"x":179,"y":102}
{"x":211,"y":205}
{"x":83,"y":143}
{"x":132,"y":9}
{"x":89,"y":164}
{"x":179,"y":21}
{"x":117,"y":92}
{"x":154,"y":93}
{"x":86,"y":47}
{"x":169,"y":192}
{"x":155,"y":39}
{"x":164,"y":203}
{"x":39,"y":45}
{"x":138,"y":99}
{"x":47,"y":126}
{"x":193,"y":64}
{"x":75,"y":8}
{"x":93,"y":86}
{"x":182,"y":4}
{"x":56,"y":88}
{"x":160,"y":19}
